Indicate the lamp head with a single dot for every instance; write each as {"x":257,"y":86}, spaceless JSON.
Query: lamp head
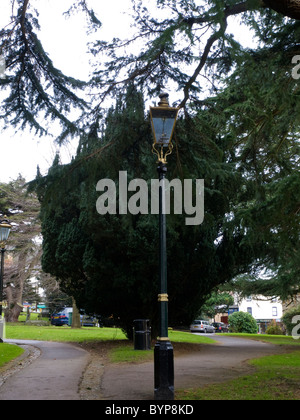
{"x":5,"y":228}
{"x":163,"y":120}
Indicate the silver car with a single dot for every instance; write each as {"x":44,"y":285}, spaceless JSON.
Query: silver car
{"x":201,"y":326}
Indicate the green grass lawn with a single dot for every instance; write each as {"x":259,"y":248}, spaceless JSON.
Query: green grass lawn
{"x":127,"y":354}
{"x":9,"y":352}
{"x":52,"y":333}
{"x":65,"y":334}
{"x":34,"y":316}
{"x":276,"y":378}
{"x":187,"y":337}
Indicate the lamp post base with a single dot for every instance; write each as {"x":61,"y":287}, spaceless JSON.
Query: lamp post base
{"x":163,"y":371}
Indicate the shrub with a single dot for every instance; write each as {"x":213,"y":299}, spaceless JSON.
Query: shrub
{"x":288,"y":318}
{"x":274,"y":329}
{"x":242,"y":322}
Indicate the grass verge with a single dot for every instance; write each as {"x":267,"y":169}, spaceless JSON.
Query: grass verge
{"x":126,"y":354}
{"x":276,"y":378}
{"x":63,"y":334}
{"x":187,"y":337}
{"x":67,"y":334}
{"x":9,"y":352}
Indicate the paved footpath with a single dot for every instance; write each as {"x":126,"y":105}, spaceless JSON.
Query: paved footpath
{"x":211,"y":364}
{"x":54,"y":375}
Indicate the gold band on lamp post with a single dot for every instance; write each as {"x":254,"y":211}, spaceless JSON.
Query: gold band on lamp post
{"x":163,"y":297}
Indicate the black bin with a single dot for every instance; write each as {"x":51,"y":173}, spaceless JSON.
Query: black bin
{"x":142,"y":334}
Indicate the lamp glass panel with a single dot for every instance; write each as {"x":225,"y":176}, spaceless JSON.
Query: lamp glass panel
{"x":163,"y":125}
{"x":4,"y":233}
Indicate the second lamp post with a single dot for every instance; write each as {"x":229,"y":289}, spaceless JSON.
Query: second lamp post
{"x":163,"y":120}
{"x":4,"y":233}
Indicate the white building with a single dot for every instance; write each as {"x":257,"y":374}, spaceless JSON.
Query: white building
{"x":264,"y":310}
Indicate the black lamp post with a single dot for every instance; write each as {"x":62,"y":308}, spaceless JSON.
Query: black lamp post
{"x":163,"y":120}
{"x":4,"y":233}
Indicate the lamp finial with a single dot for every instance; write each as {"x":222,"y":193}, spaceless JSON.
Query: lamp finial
{"x":164,"y":99}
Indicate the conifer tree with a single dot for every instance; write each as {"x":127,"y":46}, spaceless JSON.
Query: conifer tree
{"x":109,"y":263}
{"x":241,"y":135}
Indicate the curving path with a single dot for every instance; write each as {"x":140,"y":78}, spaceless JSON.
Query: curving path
{"x":211,"y":364}
{"x":54,"y":375}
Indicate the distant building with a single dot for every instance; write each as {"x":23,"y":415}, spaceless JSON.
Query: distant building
{"x":263,"y":309}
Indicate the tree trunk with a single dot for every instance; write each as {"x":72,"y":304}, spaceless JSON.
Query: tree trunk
{"x":76,"y":315}
{"x":28,"y":314}
{"x":14,"y":307}
{"x":290,"y":8}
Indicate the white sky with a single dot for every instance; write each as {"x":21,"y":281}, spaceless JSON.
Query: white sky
{"x":65,"y":41}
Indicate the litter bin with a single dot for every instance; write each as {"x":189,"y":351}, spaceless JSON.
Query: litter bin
{"x":141,"y":334}
{"x":70,"y":315}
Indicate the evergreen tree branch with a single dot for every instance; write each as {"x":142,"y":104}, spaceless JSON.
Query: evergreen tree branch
{"x":24,"y":35}
{"x":36,"y":89}
{"x":233,"y":10}
{"x":202,"y":63}
{"x":290,"y":8}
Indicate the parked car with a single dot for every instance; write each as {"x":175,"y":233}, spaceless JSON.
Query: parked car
{"x":220,"y":327}
{"x":201,"y":326}
{"x":61,"y":318}
{"x":88,"y":321}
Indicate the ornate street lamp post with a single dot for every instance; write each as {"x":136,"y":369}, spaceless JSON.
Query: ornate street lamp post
{"x":163,"y":120}
{"x":4,"y":233}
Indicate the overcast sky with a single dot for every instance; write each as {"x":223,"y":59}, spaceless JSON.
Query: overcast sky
{"x":65,"y":41}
